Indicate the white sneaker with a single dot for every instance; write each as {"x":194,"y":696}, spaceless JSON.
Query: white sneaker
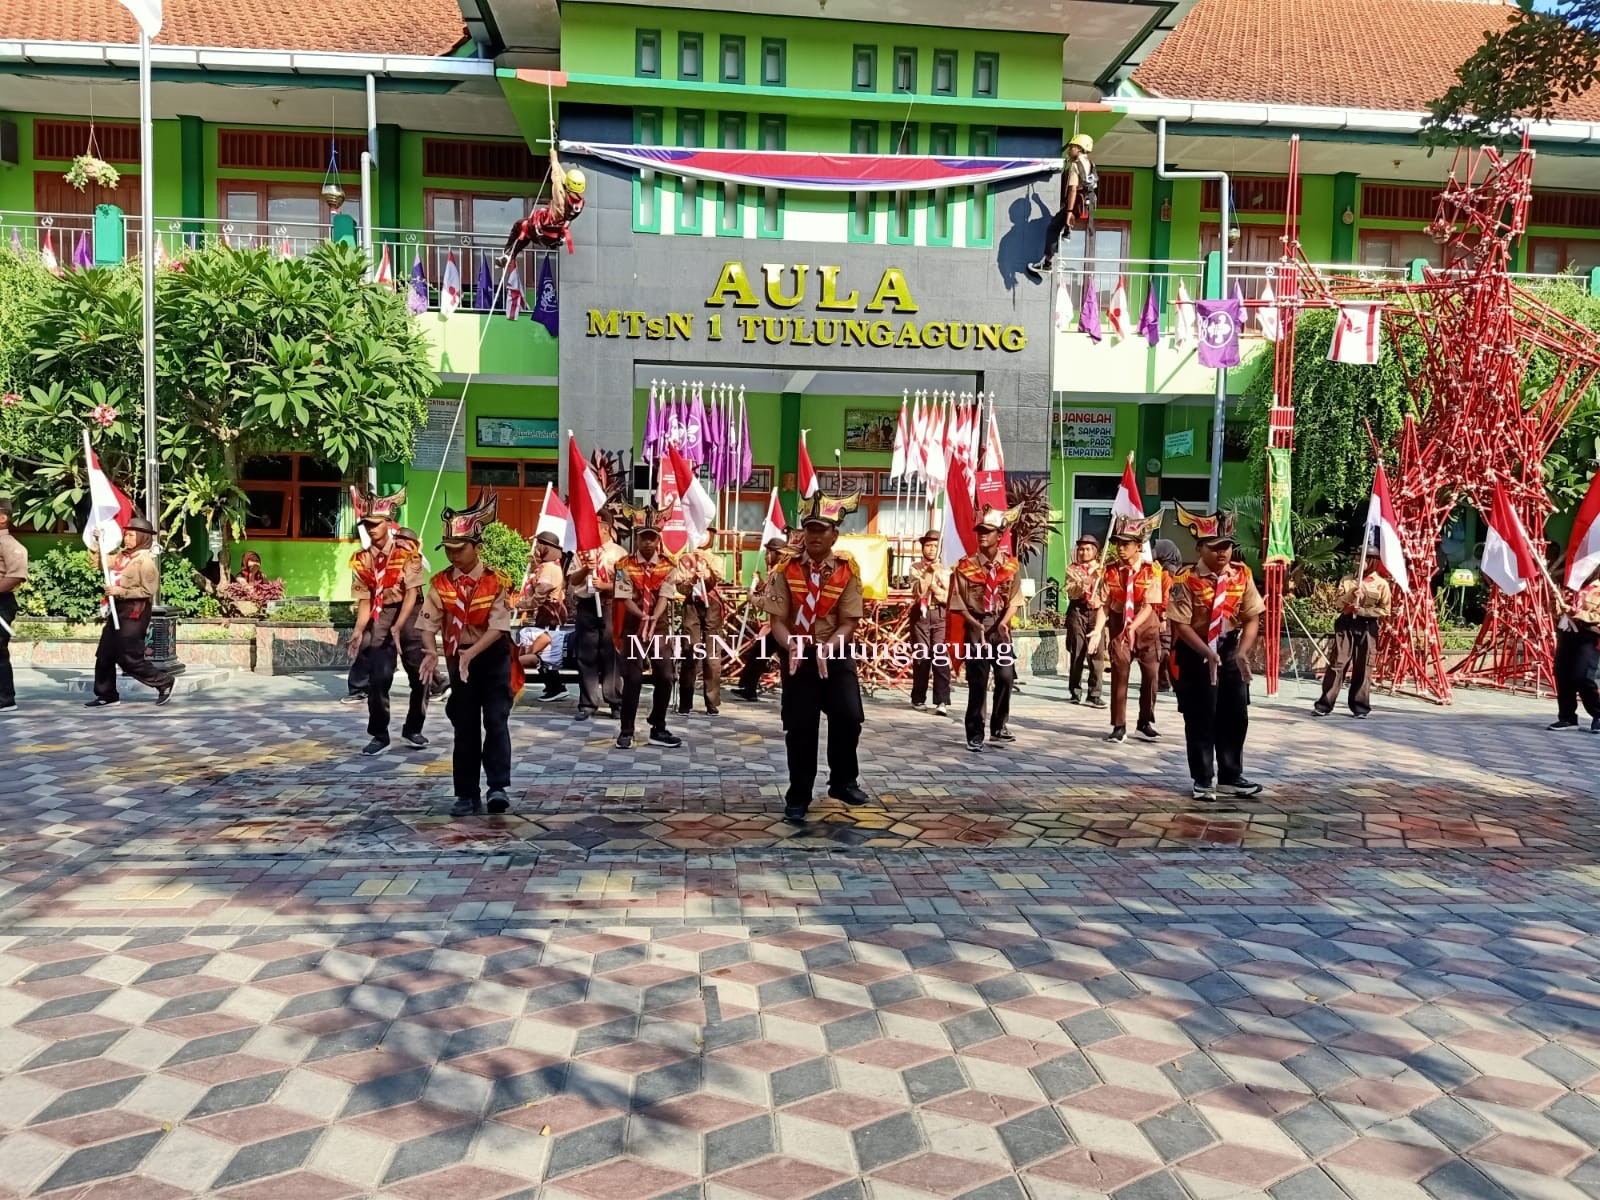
{"x":942,"y":710}
{"x":1204,"y":791}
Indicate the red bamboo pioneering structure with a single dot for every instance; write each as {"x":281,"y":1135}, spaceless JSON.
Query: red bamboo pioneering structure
{"x":1476,"y":416}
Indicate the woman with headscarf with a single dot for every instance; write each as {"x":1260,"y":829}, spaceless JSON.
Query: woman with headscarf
{"x":250,"y":569}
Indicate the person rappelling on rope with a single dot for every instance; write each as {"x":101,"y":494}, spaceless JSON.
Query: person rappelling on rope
{"x":1079,"y":183}
{"x":548,"y":226}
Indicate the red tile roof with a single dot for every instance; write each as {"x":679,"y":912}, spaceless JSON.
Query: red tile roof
{"x":423,"y":27}
{"x":1394,"y":55}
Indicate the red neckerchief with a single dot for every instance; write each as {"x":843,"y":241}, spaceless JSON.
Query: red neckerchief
{"x":812,"y":595}
{"x":466,"y":602}
{"x":385,"y":572}
{"x":993,"y":575}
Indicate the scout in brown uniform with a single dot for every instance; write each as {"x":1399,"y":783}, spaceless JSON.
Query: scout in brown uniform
{"x":699,"y":588}
{"x":762,"y":651}
{"x":13,"y":570}
{"x":1215,"y":612}
{"x":469,"y":607}
{"x":930,"y":608}
{"x":1085,"y":622}
{"x":543,"y":599}
{"x":133,"y":583}
{"x":1365,"y":601}
{"x":1134,"y":593}
{"x":413,"y":652}
{"x":646,"y":582}
{"x":815,"y":602}
{"x":386,"y":585}
{"x":986,"y":589}
{"x":590,"y":575}
{"x":1577,"y":659}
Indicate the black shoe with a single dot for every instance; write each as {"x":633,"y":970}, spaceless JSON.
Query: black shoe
{"x":1002,"y":735}
{"x":1118,"y":734}
{"x":684,"y":712}
{"x":467,"y":808}
{"x":1360,"y":716}
{"x":1095,"y":702}
{"x":852,"y":796}
{"x":795,"y":814}
{"x":163,"y":694}
{"x":97,"y":702}
{"x":624,"y":741}
{"x":9,"y":707}
{"x":1562,"y":725}
{"x":1318,"y":711}
{"x":712,"y":710}
{"x":663,"y":737}
{"x":1074,"y":697}
{"x":614,"y":713}
{"x":1042,"y":267}
{"x":499,"y":802}
{"x":748,"y":697}
{"x":546,"y":697}
{"x":375,"y":747}
{"x":415,"y":740}
{"x":1594,"y":725}
{"x":1148,"y":731}
{"x":355,"y":698}
{"x":1239,"y":787}
{"x":583,"y":714}
{"x":974,"y":745}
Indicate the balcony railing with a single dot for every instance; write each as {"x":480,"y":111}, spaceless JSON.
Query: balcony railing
{"x":431,"y":249}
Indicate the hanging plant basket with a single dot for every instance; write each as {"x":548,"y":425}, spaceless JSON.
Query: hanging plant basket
{"x":87,"y":169}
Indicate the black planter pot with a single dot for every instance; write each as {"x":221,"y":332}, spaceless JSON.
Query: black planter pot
{"x":161,"y":642}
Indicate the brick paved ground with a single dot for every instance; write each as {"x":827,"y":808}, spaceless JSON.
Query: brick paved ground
{"x":237,"y":960}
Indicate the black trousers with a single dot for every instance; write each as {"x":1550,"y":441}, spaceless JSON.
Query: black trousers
{"x":479,"y":708}
{"x":1355,"y":645}
{"x":1216,"y":716}
{"x":807,"y":697}
{"x":928,"y":630}
{"x":125,"y":648}
{"x":376,"y":661}
{"x":758,"y":656}
{"x":1577,"y":665}
{"x":633,"y":673}
{"x":979,"y":670}
{"x":599,"y":672}
{"x":702,"y":621}
{"x":1146,"y":651}
{"x":8,"y":684}
{"x":1058,"y":226}
{"x":1080,"y":627}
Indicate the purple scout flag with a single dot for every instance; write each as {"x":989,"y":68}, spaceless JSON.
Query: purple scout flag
{"x":652,"y":429}
{"x":746,"y":461}
{"x":1150,"y":319}
{"x":695,"y":436}
{"x":711,"y":437}
{"x":1089,"y":313}
{"x":484,"y":299}
{"x":1219,"y":322}
{"x":547,"y":308}
{"x":417,"y":299}
{"x":82,"y":256}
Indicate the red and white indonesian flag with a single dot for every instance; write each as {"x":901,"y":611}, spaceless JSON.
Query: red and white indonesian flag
{"x":585,"y":498}
{"x":1184,"y":328}
{"x":450,"y":288}
{"x":1508,"y":557}
{"x":515,"y":300}
{"x":147,"y":13}
{"x":1357,"y":334}
{"x":775,"y":523}
{"x":1267,"y":314}
{"x":958,"y":538}
{"x":47,"y":255}
{"x":1117,"y":310}
{"x":1383,"y":532}
{"x":807,"y":475}
{"x":1063,"y":306}
{"x":1127,"y":504}
{"x":897,"y":465}
{"x":993,"y":459}
{"x":699,"y":510}
{"x":554,"y":518}
{"x":1583,"y":550}
{"x":109,"y":509}
{"x":385,"y":275}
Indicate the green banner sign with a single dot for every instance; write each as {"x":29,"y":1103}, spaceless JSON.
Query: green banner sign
{"x":1280,"y":541}
{"x":1178,"y":445}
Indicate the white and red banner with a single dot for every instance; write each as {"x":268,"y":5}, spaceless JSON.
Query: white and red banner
{"x":516,"y":301}
{"x":1583,"y":548}
{"x":1509,"y":560}
{"x":1383,"y":531}
{"x":775,"y":523}
{"x":897,"y":466}
{"x":109,"y":509}
{"x":554,"y":518}
{"x":1128,"y":504}
{"x":698,"y":509}
{"x":585,"y":498}
{"x":807,"y":474}
{"x":1357,"y":334}
{"x":958,"y":538}
{"x":450,"y":288}
{"x":1117,"y":310}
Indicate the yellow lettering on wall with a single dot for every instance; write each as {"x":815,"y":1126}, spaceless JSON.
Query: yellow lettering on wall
{"x":1014,"y":338}
{"x":988,"y":337}
{"x":774,"y":274}
{"x":933,"y":335}
{"x":830,"y":301}
{"x":735,"y":283}
{"x":908,"y":336}
{"x":604,"y":325}
{"x":893,"y":288}
{"x":749,"y":326}
{"x":680,"y":325}
{"x":855,"y":332}
{"x":881,"y":334}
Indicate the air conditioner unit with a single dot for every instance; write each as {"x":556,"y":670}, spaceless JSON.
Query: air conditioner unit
{"x":9,"y":147}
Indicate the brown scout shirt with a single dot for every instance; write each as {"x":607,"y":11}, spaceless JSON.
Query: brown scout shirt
{"x":967,"y":596}
{"x":708,"y":564}
{"x":941,"y":580}
{"x":610,"y":555}
{"x":1368,"y":598}
{"x":410,"y":578}
{"x":778,"y":600}
{"x":431,"y":618}
{"x":139,"y":579}
{"x":13,"y":557}
{"x":1182,"y":609}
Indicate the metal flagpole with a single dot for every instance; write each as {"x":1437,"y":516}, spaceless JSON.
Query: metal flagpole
{"x":147,"y":255}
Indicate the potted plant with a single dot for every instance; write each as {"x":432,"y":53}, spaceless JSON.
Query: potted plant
{"x":88,"y":168}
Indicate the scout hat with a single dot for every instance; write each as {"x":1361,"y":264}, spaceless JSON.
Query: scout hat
{"x":997,"y":520}
{"x":548,"y":539}
{"x":1082,"y":141}
{"x":777,"y":544}
{"x":372,"y":509}
{"x":1088,"y":539}
{"x":468,"y":526}
{"x":823,"y":509}
{"x":408,"y":535}
{"x":933,"y":535}
{"x":1212,"y":529}
{"x":1134,"y":529}
{"x":139,"y":525}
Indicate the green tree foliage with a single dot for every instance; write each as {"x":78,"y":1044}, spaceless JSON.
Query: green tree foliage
{"x":1547,"y":53}
{"x":63,"y":582}
{"x":254,"y":353}
{"x":506,"y":551}
{"x":21,"y":281}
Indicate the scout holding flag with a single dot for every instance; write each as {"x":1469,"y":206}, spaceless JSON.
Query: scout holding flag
{"x":646,"y":581}
{"x":702,"y":615}
{"x":1085,"y":622}
{"x":590,"y":579}
{"x":815,"y":603}
{"x":930,"y":595}
{"x":1215,"y":612}
{"x":1134,"y":592}
{"x":386,"y":585}
{"x":133,"y":581}
{"x":1364,"y":602}
{"x":469,"y":607}
{"x":986,"y":589}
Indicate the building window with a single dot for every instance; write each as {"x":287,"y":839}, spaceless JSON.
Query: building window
{"x":268,"y":213}
{"x":732,"y":59}
{"x":647,"y":184}
{"x":986,"y":76}
{"x":292,"y":496}
{"x":647,"y":53}
{"x":774,"y":55}
{"x":1557,"y":256}
{"x":944,"y":72}
{"x":905,"y":70}
{"x":980,"y":214}
{"x":941,"y":143}
{"x":900,"y":229}
{"x":863,"y":140}
{"x":772,"y":139}
{"x":864,"y":74}
{"x":730,"y":212}
{"x":691,"y":134}
{"x":691,"y":62}
{"x":520,"y":485}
